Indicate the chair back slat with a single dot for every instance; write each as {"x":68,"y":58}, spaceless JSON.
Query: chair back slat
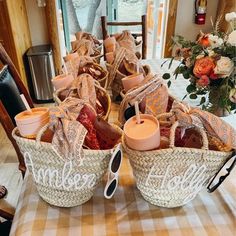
{"x":143,"y":33}
{"x":5,"y":117}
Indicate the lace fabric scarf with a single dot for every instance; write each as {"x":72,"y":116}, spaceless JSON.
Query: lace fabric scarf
{"x":126,"y":40}
{"x":126,"y":59}
{"x":73,"y":65}
{"x":69,"y":134}
{"x":83,"y":87}
{"x":153,"y":91}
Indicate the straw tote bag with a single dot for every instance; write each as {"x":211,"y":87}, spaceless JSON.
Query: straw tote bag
{"x":172,"y":177}
{"x":60,"y":182}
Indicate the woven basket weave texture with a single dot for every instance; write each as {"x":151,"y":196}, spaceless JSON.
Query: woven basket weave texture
{"x":95,"y":162}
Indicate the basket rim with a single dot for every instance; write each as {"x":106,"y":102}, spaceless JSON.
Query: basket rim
{"x":160,"y":151}
{"x":48,"y":145}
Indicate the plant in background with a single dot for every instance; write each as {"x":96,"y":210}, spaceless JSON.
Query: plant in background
{"x":209,"y":65}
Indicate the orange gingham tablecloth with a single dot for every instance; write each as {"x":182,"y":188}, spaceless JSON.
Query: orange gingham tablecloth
{"x":127,"y":213}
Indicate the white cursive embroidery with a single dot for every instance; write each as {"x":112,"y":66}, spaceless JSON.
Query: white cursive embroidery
{"x":192,"y":179}
{"x":62,"y":179}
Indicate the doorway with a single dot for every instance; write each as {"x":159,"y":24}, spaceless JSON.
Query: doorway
{"x":77,"y":15}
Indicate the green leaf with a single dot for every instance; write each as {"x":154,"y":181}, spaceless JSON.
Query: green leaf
{"x":169,"y":83}
{"x":190,"y":88}
{"x":164,"y":63}
{"x":172,"y":59}
{"x":184,"y":96}
{"x":186,"y":74}
{"x":166,"y":76}
{"x":193,"y":96}
{"x":203,"y":100}
{"x":182,"y":69}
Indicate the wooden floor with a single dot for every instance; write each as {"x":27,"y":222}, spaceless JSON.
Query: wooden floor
{"x":7,"y":152}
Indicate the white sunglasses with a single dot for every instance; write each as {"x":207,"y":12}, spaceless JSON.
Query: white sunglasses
{"x":114,"y":167}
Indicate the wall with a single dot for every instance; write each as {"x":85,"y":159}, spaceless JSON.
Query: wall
{"x":20,"y":32}
{"x":37,"y":23}
{"x":185,"y":25}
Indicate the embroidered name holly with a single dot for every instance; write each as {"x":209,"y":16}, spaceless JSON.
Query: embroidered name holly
{"x":192,"y":179}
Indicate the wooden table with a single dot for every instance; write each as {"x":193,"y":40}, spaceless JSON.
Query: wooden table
{"x":127,"y":213}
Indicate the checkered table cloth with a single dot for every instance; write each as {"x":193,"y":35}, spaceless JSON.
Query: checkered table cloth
{"x":127,"y":213}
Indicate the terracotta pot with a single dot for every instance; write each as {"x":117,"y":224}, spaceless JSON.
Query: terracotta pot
{"x":132,"y":81}
{"x":62,"y":81}
{"x":144,"y":136}
{"x":29,"y":123}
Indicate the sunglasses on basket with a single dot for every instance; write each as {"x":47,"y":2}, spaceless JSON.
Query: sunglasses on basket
{"x":223,"y":172}
{"x":114,"y":167}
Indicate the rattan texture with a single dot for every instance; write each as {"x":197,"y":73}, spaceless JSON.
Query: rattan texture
{"x":43,"y":156}
{"x":177,"y":160}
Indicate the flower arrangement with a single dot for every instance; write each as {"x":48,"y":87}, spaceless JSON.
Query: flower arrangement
{"x":209,"y":65}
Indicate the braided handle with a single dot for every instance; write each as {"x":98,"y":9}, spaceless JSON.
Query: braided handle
{"x":41,"y":132}
{"x":176,"y":124}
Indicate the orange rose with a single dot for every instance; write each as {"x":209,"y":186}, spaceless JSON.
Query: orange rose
{"x":204,"y":41}
{"x":203,"y":66}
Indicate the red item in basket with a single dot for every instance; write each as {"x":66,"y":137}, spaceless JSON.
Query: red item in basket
{"x":87,"y":118}
{"x":179,"y":142}
{"x":107,"y":135}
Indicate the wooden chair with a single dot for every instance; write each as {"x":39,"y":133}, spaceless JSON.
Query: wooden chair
{"x":143,"y":34}
{"x":5,"y":118}
{"x":11,"y":86}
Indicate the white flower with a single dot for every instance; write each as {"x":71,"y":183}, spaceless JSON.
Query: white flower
{"x":211,"y":53}
{"x":215,"y":41}
{"x":230,"y":16}
{"x":232,"y":38}
{"x":200,"y":56}
{"x":224,"y":67}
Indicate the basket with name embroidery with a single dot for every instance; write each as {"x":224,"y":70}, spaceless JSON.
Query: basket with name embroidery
{"x":60,"y":181}
{"x":173,"y":176}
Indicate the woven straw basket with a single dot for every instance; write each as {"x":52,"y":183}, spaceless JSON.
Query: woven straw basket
{"x":95,"y":164}
{"x":105,"y":101}
{"x":117,"y":86}
{"x":172,"y":177}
